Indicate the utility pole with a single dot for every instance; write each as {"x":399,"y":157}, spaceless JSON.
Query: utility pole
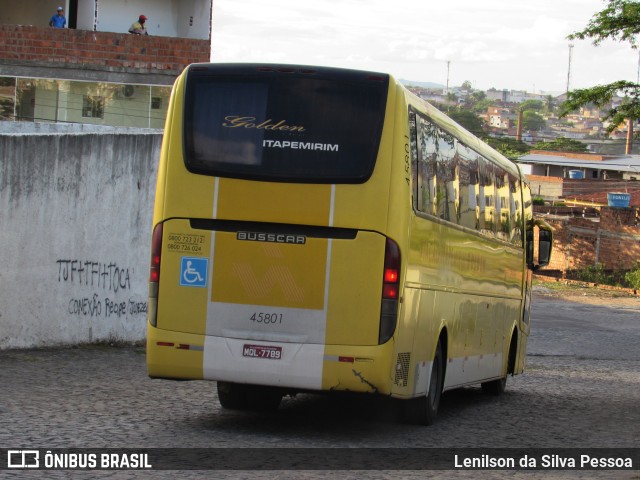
{"x":569,"y":70}
{"x":448,"y":65}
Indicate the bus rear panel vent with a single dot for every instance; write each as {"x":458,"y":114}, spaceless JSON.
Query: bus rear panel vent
{"x":402,"y":369}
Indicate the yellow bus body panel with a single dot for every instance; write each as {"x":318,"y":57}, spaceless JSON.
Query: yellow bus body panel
{"x":269,"y":274}
{"x":171,"y":361}
{"x":274,"y":202}
{"x":179,"y":240}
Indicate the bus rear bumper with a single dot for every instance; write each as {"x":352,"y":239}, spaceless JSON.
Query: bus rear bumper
{"x":295,"y":366}
{"x":174,"y":355}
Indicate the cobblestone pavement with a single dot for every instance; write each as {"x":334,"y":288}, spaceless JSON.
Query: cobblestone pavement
{"x":581,"y":389}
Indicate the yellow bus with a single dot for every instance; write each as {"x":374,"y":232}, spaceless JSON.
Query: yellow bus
{"x":320,"y":229}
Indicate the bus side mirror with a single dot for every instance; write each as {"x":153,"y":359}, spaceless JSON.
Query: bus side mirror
{"x":544,"y":247}
{"x":545,"y":242}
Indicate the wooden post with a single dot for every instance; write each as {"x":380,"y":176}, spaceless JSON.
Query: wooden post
{"x":629,"y":137}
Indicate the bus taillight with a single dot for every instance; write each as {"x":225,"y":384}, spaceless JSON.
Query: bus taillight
{"x":390,"y":291}
{"x":156,"y":253}
{"x":154,"y":274}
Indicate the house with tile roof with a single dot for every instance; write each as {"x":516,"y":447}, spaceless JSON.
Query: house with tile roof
{"x":581,"y":178}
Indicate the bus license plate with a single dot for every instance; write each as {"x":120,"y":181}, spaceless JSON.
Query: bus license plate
{"x":262,"y":351}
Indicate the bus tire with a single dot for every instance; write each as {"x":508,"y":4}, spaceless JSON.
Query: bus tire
{"x":423,"y":410}
{"x":263,"y":399}
{"x":232,"y":396}
{"x":495,"y":387}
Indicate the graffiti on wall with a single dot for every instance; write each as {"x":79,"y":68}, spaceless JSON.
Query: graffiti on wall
{"x":111,"y":284}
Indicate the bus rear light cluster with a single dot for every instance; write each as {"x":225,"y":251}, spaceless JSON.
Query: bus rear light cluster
{"x":154,"y":275}
{"x":390,"y":291}
{"x":156,"y":254}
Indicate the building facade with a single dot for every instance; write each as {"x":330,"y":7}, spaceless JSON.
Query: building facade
{"x":95,"y":71}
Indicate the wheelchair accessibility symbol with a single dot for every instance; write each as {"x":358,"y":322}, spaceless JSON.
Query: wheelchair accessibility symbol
{"x":193,"y":271}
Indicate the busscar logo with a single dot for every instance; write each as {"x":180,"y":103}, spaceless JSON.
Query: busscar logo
{"x":272,"y":237}
{"x":23,"y":459}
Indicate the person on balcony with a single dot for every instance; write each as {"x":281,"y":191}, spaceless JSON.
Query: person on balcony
{"x":138,"y":28}
{"x":58,"y":20}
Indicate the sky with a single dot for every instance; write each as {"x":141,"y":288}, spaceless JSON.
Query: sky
{"x":503,"y":44}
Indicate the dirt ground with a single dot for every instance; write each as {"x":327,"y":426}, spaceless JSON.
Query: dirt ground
{"x":584,"y":293}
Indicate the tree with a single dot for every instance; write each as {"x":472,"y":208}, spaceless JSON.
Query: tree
{"x":478,"y":96}
{"x":466,"y":85}
{"x":535,"y":105}
{"x":533,"y":121}
{"x":601,"y":96}
{"x":509,"y":147}
{"x":549,"y":104}
{"x":562,"y":144}
{"x":619,"y":21}
{"x":468,"y":120}
{"x":482,"y":105}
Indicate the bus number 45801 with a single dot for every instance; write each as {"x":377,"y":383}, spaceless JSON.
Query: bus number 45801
{"x":266,"y":318}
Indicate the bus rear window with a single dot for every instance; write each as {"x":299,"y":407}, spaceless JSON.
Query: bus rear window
{"x":322,"y":126}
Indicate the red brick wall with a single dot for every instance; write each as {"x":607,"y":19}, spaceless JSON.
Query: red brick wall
{"x":619,"y":220}
{"x":580,"y":156}
{"x":102,"y":49}
{"x":561,"y":248}
{"x":578,"y":243}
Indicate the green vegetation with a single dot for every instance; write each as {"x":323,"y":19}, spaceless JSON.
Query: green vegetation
{"x":562,"y":144}
{"x":537,"y":201}
{"x":616,"y":278}
{"x":619,"y":21}
{"x":632,"y":277}
{"x":559,"y":287}
{"x":509,"y":147}
{"x":535,"y":105}
{"x":594,"y":274}
{"x":467,"y":119}
{"x":533,"y":121}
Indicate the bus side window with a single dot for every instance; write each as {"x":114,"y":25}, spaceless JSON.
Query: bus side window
{"x":413,"y":143}
{"x":437,"y":170}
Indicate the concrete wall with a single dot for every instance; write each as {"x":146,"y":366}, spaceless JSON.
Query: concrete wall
{"x":549,"y":188}
{"x":76,"y":214}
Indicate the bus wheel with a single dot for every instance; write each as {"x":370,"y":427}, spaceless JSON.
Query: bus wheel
{"x":232,"y":396}
{"x":263,"y":399}
{"x":423,"y":410}
{"x":495,"y":387}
